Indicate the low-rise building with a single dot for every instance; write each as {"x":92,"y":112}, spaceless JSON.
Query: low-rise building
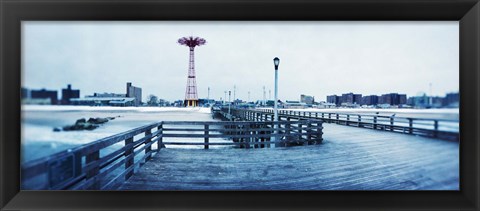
{"x":68,"y":94}
{"x":45,"y":94}
{"x":307,"y":99}
{"x":104,"y":101}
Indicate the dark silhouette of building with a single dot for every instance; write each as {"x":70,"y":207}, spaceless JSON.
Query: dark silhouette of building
{"x":45,"y":94}
{"x":337,"y":100}
{"x":68,"y":94}
{"x":134,"y":92}
{"x":350,"y":98}
{"x":370,"y":100}
{"x":452,"y":100}
{"x":25,"y":93}
{"x":393,"y":99}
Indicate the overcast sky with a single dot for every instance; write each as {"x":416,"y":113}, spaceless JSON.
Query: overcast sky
{"x":316,"y":58}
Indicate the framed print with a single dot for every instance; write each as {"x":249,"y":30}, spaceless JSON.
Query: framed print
{"x":239,"y":105}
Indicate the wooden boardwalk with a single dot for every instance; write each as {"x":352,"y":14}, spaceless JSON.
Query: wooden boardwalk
{"x":348,"y":159}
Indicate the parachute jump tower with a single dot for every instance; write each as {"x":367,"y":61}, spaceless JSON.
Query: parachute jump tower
{"x":191,"y":97}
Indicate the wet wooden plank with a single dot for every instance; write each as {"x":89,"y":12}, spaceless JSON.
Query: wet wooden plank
{"x":349,"y":159}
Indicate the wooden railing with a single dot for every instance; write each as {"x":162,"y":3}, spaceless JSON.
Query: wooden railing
{"x":245,"y":134}
{"x":102,"y":164}
{"x":108,"y":162}
{"x":438,"y":128}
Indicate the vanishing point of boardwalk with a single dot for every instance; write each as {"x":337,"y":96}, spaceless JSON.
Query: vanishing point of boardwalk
{"x":348,"y":159}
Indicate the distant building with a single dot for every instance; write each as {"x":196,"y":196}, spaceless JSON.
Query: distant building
{"x":68,"y":94}
{"x":163,"y":103}
{"x":350,"y":99}
{"x":334,"y":99}
{"x":393,"y":99}
{"x":307,"y":99}
{"x":104,"y":101}
{"x":107,"y":95}
{"x":419,"y":101}
{"x":452,"y":100}
{"x":437,"y":102}
{"x":25,"y":93}
{"x":206,"y":102}
{"x":45,"y":94}
{"x":370,"y":100}
{"x":134,"y":92}
{"x":294,"y":104}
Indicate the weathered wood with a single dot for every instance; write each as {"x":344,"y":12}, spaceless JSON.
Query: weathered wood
{"x":252,"y":134}
{"x":206,"y":136}
{"x":350,"y":159}
{"x":148,"y":149}
{"x":424,"y":126}
{"x":129,"y":159}
{"x":92,"y":173}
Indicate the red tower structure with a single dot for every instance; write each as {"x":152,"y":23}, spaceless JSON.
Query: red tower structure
{"x":191,"y":97}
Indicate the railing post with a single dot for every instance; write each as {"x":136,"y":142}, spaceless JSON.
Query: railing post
{"x":319,"y":132}
{"x":288,"y":129}
{"x":247,"y":131}
{"x":206,"y":136}
{"x":391,"y":123}
{"x":309,"y":132}
{"x":300,"y":133}
{"x":435,"y":127}
{"x":148,"y":149}
{"x":348,"y":119}
{"x":129,"y":157}
{"x":337,"y":118}
{"x":359,"y":121}
{"x":410,"y":125}
{"x":316,"y":115}
{"x":329,"y":117}
{"x":160,"y":137}
{"x":375,"y":122}
{"x":90,"y":158}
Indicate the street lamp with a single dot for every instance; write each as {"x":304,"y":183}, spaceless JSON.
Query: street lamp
{"x":225,"y":98}
{"x":229,"y":101}
{"x":276,"y":62}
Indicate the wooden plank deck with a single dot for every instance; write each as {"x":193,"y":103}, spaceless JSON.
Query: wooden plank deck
{"x":349,"y":159}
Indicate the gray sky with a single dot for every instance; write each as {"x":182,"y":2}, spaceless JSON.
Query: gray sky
{"x":316,"y":58}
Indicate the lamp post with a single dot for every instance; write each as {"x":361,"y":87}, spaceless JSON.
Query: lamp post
{"x":276,"y":62}
{"x":229,"y":101}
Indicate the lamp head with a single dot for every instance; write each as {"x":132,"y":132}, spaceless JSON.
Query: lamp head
{"x":276,"y":62}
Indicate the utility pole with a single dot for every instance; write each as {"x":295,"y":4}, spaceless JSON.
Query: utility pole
{"x":229,"y":101}
{"x":264,"y":97}
{"x":225,"y":98}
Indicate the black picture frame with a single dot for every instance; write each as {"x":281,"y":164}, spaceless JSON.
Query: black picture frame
{"x":14,"y":11}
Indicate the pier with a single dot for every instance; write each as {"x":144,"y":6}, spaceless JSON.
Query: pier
{"x":349,"y":154}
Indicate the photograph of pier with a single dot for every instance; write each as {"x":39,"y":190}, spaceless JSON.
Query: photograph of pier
{"x":238,"y":105}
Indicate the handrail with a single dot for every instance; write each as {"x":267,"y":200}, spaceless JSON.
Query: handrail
{"x":101,"y":165}
{"x":437,"y":128}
